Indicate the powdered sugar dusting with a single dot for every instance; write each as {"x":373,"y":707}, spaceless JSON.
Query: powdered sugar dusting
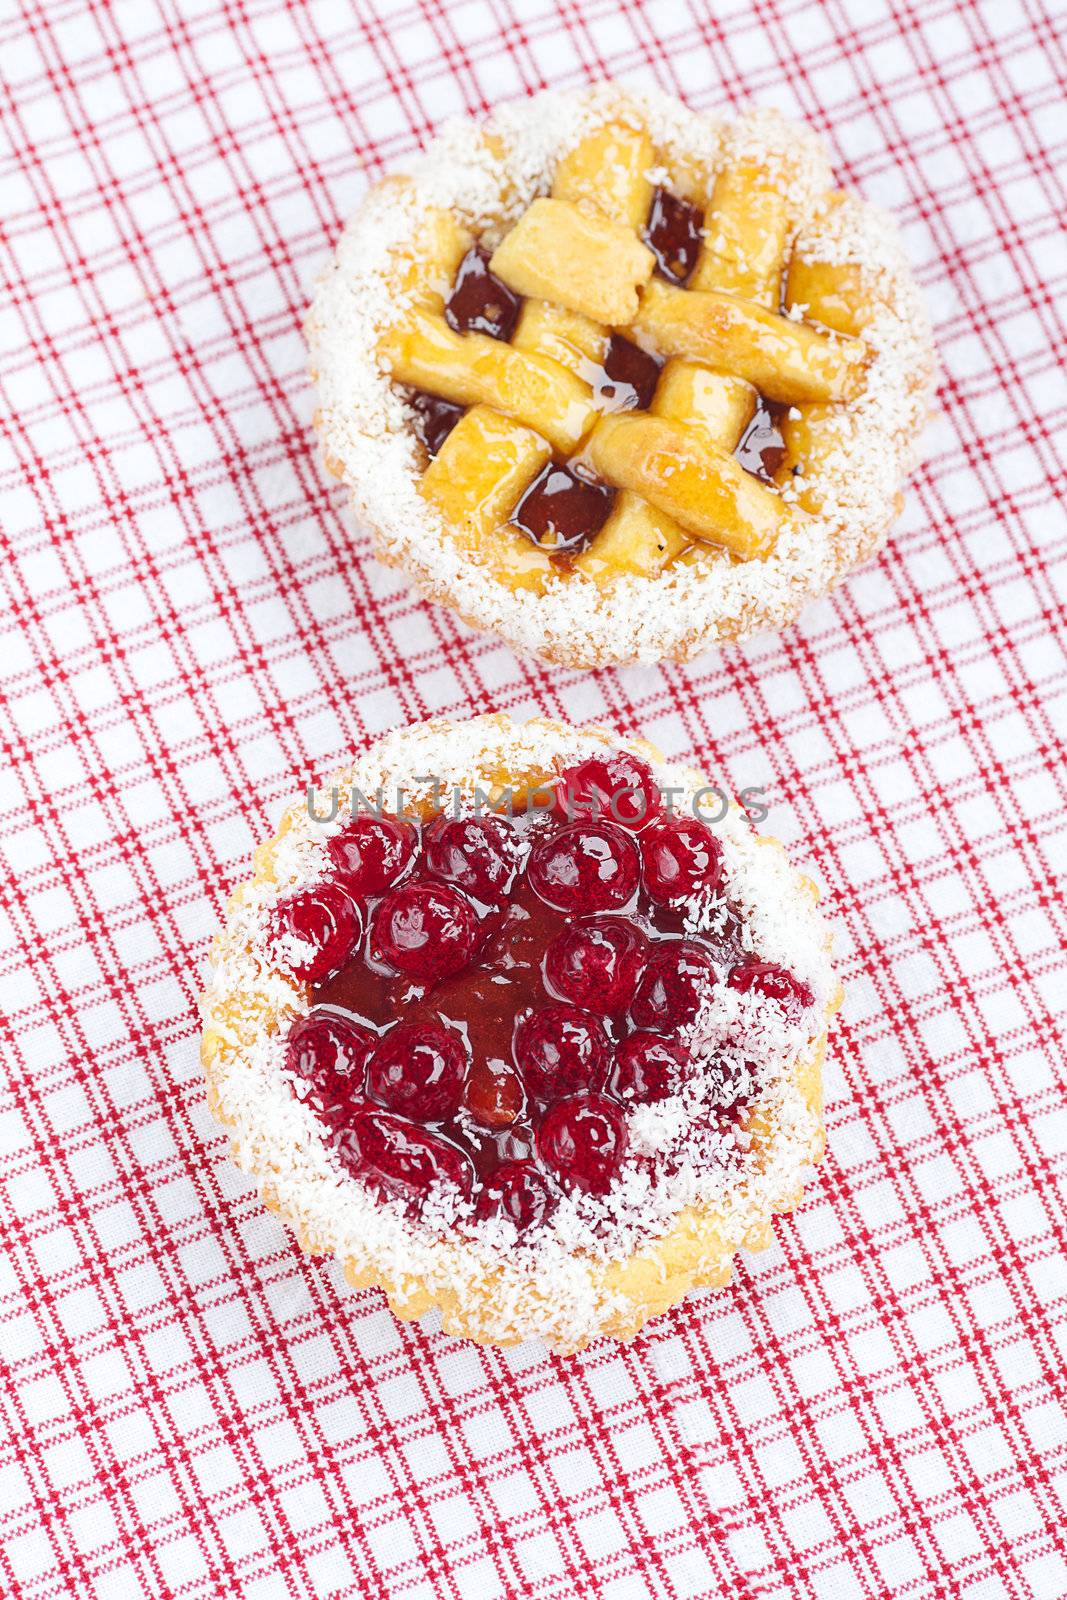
{"x":487,"y":175}
{"x":557,"y":1281}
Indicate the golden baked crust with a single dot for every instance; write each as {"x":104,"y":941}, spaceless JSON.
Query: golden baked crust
{"x":250,"y":1000}
{"x":679,"y":565}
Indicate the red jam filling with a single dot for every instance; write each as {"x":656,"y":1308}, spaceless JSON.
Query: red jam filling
{"x":762,"y":448}
{"x":627,"y":379}
{"x":565,"y":507}
{"x":479,"y":302}
{"x":491,"y":995}
{"x":434,"y":420}
{"x":674,"y":232}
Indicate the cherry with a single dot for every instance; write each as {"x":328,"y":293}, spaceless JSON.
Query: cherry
{"x":681,"y":856}
{"x":327,"y":1044}
{"x":418,"y":1069}
{"x":730,"y":1076}
{"x":400,"y":1160}
{"x":583,"y":1140}
{"x":674,"y":982}
{"x":560,"y":1049}
{"x":494,"y":1095}
{"x":476,"y":853}
{"x":373,"y":853}
{"x":616,"y":785}
{"x":774,"y":983}
{"x":524,"y":986}
{"x":329,"y":1053}
{"x":327,"y":920}
{"x":517,"y":1191}
{"x":648,"y":1068}
{"x":597,"y":964}
{"x":425,"y":931}
{"x":591,"y":866}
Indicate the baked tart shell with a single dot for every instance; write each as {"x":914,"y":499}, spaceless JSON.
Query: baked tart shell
{"x":695,"y":1251}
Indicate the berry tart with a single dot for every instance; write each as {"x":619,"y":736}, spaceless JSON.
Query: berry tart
{"x":506,"y":1024}
{"x":618,"y":382}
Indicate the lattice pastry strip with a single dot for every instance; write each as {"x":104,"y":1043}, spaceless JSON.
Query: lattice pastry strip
{"x":834,"y":293}
{"x":746,"y":235}
{"x":787,"y":361}
{"x":477,"y":477}
{"x":473,"y":369}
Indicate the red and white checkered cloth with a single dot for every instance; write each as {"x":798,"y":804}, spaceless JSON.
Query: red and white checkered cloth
{"x":190,"y":1408}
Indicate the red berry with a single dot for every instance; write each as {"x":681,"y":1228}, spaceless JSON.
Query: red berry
{"x":616,"y":787}
{"x":774,"y":983}
{"x":674,"y":983}
{"x":517,"y":1191}
{"x":477,"y":853}
{"x":597,"y":964}
{"x":401,"y":1161}
{"x":583,"y":1140}
{"x":494,"y":1094}
{"x":591,"y":866}
{"x":418,"y":1069}
{"x":732,"y":1078}
{"x":328,"y":1044}
{"x":425,"y":931}
{"x":326,"y":922}
{"x":329,"y":1052}
{"x":373,"y":853}
{"x":648,"y":1068}
{"x":559,"y":1050}
{"x":681,"y":856}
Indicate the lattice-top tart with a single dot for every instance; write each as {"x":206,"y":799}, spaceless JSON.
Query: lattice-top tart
{"x":520,"y":1032}
{"x":617,"y":381}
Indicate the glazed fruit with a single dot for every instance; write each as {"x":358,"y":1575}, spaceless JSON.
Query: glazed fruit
{"x":559,"y":1050}
{"x":648,"y":1068}
{"x":669,"y":994}
{"x":327,"y":1052}
{"x":401,"y":1160}
{"x":477,"y":854}
{"x":590,"y":866}
{"x":596,"y":964}
{"x":773,"y":983}
{"x":425,"y":931}
{"x":616,"y":786}
{"x":525,"y":985}
{"x":373,"y":853}
{"x":326,"y":922}
{"x":583,"y":1140}
{"x":682,"y":857}
{"x":418,"y":1069}
{"x":518,"y":1191}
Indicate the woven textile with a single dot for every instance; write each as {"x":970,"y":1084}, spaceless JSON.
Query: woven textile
{"x":191,"y":629}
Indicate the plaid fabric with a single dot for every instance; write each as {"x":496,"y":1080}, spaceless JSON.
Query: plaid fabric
{"x":876,"y":1408}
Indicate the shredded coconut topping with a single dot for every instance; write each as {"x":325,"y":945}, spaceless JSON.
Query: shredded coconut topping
{"x":563,"y":1280}
{"x":488,"y":174}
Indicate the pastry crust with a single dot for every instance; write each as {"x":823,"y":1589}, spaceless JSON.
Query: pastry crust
{"x":846,"y":462}
{"x":484,"y":1295}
